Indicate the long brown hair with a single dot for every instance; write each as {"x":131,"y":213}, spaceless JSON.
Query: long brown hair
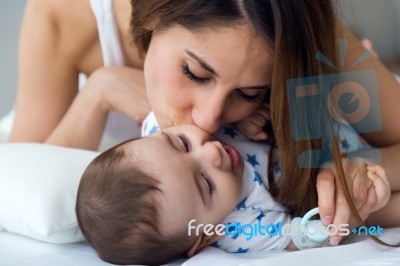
{"x":297,"y":29}
{"x":302,"y":28}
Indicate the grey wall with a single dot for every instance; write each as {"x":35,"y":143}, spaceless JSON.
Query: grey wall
{"x":10,"y":20}
{"x":377,"y":20}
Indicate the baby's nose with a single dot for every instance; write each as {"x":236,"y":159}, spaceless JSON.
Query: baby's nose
{"x":213,"y":153}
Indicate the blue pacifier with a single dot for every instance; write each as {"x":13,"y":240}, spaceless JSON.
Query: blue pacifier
{"x":309,"y":234}
{"x":315,"y":230}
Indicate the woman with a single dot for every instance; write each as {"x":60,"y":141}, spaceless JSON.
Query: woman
{"x":212,"y":62}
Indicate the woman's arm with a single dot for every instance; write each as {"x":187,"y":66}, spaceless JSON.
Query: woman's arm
{"x":119,"y":89}
{"x":391,"y":163}
{"x":388,"y":88}
{"x":331,"y":200}
{"x":49,"y":53}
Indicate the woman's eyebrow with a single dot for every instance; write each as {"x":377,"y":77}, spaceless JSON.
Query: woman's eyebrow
{"x":202,"y":63}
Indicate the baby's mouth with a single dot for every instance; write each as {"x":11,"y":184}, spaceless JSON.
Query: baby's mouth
{"x":234,"y":155}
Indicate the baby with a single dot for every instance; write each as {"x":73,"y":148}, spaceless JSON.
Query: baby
{"x":155,"y":199}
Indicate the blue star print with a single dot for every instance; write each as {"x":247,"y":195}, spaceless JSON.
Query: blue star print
{"x":257,"y":178}
{"x":242,"y":204}
{"x":230,"y":132}
{"x":153,"y":129}
{"x":241,"y":250}
{"x":259,"y":217}
{"x":252,"y":159}
{"x":345,"y":145}
{"x":215,"y":244}
{"x":277,"y":168}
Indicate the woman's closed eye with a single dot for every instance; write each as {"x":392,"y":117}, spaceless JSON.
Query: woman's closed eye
{"x":249,"y":98}
{"x":201,"y":81}
{"x":190,"y":75}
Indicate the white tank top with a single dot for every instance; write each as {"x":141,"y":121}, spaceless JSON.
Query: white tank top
{"x":119,"y":127}
{"x":108,"y":32}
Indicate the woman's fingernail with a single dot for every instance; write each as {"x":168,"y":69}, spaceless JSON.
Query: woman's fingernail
{"x":335,"y":240}
{"x":326,"y":219}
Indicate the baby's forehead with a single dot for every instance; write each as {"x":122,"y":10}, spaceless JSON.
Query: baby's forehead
{"x":138,"y":145}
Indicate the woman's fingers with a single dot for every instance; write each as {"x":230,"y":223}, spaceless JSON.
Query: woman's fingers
{"x":326,"y":195}
{"x":342,"y":215}
{"x":123,"y":89}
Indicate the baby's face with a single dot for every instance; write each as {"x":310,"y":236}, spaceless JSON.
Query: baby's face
{"x":201,"y":178}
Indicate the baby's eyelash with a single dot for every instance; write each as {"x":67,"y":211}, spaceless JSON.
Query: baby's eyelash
{"x":210,"y":182}
{"x":185,"y":141}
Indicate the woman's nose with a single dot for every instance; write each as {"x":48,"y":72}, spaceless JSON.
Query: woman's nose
{"x":209,"y":115}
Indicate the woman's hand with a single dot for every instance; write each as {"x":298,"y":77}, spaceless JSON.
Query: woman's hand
{"x":119,"y":89}
{"x":252,"y":126}
{"x":334,"y":208}
{"x":122,"y":90}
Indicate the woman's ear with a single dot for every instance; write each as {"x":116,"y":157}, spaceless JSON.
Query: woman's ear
{"x":201,"y":242}
{"x":150,"y":26}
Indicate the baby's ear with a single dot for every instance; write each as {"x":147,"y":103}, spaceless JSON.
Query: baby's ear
{"x":201,"y":242}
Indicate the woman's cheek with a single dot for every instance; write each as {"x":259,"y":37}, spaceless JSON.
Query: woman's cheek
{"x":174,"y":89}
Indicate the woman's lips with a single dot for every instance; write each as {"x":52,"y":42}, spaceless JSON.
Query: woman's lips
{"x":233,"y":155}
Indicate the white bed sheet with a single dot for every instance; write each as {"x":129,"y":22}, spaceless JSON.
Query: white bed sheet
{"x":17,"y":250}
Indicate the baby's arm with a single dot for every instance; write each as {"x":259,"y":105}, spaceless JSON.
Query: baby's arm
{"x":386,"y":212}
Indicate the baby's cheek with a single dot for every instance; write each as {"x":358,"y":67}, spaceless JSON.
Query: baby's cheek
{"x":232,"y":193}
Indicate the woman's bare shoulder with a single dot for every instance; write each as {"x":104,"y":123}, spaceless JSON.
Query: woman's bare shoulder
{"x":74,"y":30}
{"x":71,"y":21}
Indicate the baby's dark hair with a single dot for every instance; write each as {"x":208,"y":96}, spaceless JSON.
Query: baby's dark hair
{"x":117,"y":212}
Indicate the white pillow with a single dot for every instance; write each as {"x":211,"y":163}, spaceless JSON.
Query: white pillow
{"x":38,"y":186}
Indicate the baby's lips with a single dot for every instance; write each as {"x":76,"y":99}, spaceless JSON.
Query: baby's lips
{"x":233,"y":155}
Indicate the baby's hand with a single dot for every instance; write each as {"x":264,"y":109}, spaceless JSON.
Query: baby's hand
{"x":380,"y":184}
{"x":252,"y":126}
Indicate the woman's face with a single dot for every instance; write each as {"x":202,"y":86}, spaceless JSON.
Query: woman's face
{"x":209,"y":78}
